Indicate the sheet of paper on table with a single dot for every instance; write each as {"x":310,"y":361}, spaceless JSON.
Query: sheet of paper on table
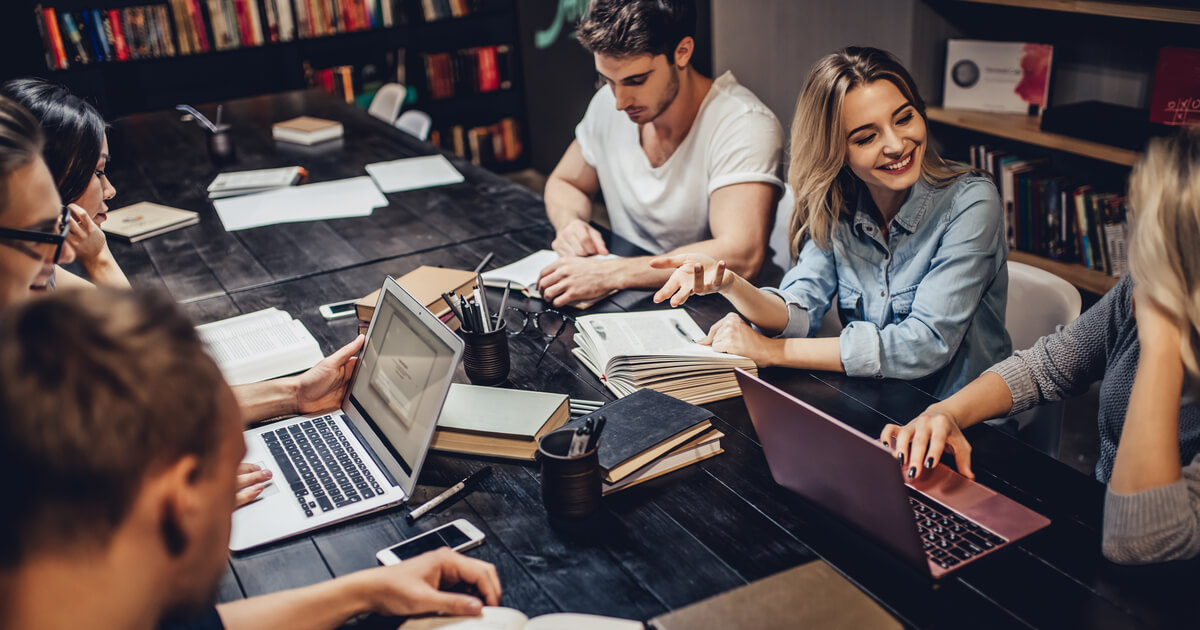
{"x":414,"y":173}
{"x":339,"y":199}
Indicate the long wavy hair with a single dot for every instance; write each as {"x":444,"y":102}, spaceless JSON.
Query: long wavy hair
{"x":1164,"y":202}
{"x":823,"y":184}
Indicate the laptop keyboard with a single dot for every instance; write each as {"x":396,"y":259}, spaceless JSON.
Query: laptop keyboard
{"x":949,"y":539}
{"x":322,"y":469}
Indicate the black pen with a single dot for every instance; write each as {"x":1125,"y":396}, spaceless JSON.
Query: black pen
{"x":471,"y":481}
{"x":595,"y":439}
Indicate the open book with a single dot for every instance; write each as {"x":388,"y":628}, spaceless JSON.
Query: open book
{"x":656,"y":350}
{"x":525,"y":272}
{"x":260,"y":346}
{"x":500,"y":618}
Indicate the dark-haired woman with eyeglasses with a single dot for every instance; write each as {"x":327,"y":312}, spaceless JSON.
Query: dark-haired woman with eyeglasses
{"x":76,"y":152}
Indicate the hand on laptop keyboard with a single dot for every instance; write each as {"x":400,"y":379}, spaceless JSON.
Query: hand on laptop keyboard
{"x":919,"y":444}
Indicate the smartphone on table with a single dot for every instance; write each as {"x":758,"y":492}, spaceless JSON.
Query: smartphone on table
{"x":458,"y":535}
{"x":337,"y":310}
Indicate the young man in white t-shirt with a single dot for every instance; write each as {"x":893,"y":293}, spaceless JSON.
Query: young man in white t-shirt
{"x":685,"y":163}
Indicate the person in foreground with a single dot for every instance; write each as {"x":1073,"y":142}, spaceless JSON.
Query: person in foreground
{"x":1143,"y":339}
{"x":76,"y":151}
{"x":685,"y":162}
{"x":912,"y":246}
{"x":128,"y":515}
{"x":35,"y":239}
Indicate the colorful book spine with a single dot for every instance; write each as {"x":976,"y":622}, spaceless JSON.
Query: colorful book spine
{"x":47,"y":45}
{"x":118,"y":34}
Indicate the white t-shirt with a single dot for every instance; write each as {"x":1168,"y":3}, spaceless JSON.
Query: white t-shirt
{"x":735,"y":139}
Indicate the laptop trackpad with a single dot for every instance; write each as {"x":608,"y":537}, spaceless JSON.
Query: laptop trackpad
{"x":272,"y":487}
{"x":952,"y":489}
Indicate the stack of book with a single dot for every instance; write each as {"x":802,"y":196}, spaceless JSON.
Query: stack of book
{"x":1048,"y":215}
{"x":469,"y":71}
{"x":656,"y":350}
{"x":426,"y":284}
{"x":497,"y":422}
{"x":482,"y":145}
{"x":648,"y":435}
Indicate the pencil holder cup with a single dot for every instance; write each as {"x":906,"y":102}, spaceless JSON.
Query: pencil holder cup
{"x":485,"y":355}
{"x":570,"y":485}
{"x":220,"y":146}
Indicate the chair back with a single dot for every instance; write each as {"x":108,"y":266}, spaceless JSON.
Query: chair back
{"x":386,"y":104}
{"x":415,"y":123}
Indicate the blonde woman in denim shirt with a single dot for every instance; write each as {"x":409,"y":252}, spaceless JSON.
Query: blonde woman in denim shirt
{"x":912,"y":246}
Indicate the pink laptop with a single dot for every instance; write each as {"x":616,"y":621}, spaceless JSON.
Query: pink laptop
{"x":937,"y":523}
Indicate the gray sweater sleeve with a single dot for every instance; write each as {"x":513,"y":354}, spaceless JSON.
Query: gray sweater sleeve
{"x":1067,"y":362}
{"x":1154,"y":525}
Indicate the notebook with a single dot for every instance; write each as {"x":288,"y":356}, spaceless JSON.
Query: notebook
{"x":247,"y":182}
{"x":307,"y":130}
{"x":498,"y":422}
{"x":143,"y":220}
{"x":413,"y":173}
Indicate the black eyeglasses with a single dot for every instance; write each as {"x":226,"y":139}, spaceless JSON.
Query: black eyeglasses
{"x":44,"y":242}
{"x":549,"y":323}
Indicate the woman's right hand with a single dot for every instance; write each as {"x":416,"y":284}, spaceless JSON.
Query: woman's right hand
{"x":695,"y":274}
{"x":919,"y":444}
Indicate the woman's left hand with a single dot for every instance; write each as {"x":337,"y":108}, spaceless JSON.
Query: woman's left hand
{"x":85,"y":237}
{"x":733,"y":335}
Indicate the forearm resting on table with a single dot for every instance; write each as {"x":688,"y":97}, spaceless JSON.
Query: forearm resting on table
{"x":268,"y":399}
{"x":317,"y":607}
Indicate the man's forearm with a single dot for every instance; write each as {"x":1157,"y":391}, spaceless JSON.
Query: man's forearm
{"x":268,"y":399}
{"x":566,"y":203}
{"x":325,"y":605}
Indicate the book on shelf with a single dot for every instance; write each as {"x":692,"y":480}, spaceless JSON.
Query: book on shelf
{"x":497,"y":422}
{"x":473,"y":70}
{"x":483,"y":145}
{"x":1049,"y":215}
{"x":501,"y":618}
{"x":307,"y":130}
{"x":1176,"y":96}
{"x":656,"y":350}
{"x":426,"y":284}
{"x":259,"y":346}
{"x":143,"y":220}
{"x":644,"y":427}
{"x":259,"y":180}
{"x":997,"y":76}
{"x":434,"y":10}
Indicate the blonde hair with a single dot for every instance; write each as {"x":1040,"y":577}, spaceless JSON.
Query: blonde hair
{"x":1164,"y":202}
{"x":823,"y":185}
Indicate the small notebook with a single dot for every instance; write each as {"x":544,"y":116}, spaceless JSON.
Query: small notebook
{"x":144,"y":219}
{"x":812,"y":595}
{"x":642,"y":427}
{"x":414,"y":173}
{"x":247,"y":182}
{"x":498,"y":422}
{"x":307,"y":130}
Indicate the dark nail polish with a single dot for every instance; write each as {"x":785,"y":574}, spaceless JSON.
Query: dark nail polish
{"x":912,"y":472}
{"x":929,"y":463}
{"x":901,"y":458}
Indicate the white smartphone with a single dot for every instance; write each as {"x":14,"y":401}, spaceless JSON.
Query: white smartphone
{"x":337,"y":310}
{"x":458,"y":535}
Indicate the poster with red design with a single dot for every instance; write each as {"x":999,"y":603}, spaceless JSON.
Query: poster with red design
{"x":1176,"y":97}
{"x":997,"y":76}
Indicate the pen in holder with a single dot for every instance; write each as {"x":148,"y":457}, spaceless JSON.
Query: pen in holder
{"x":220,"y":141}
{"x":485,"y":355}
{"x":570,"y":484}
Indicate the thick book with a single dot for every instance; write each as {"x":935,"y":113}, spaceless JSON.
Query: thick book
{"x":426,"y":284}
{"x":260,"y":180}
{"x":501,"y":618}
{"x":656,"y":350}
{"x":812,"y":595}
{"x":260,"y":346}
{"x":698,"y":449}
{"x":143,"y":220}
{"x":497,"y":422}
{"x":642,"y":427}
{"x":307,"y":130}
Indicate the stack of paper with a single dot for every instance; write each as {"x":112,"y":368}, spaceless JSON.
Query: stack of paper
{"x":345,"y":198}
{"x":414,"y":173}
{"x":249,"y":182}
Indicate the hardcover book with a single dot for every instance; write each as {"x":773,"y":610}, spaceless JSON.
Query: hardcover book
{"x":142,"y":220}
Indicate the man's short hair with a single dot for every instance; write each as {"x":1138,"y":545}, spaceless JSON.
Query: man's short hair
{"x":98,"y":390}
{"x":21,"y":142}
{"x":628,"y":28}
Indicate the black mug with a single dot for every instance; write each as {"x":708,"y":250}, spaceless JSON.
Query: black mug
{"x":570,"y":485}
{"x":485,"y":355}
{"x":220,"y":146}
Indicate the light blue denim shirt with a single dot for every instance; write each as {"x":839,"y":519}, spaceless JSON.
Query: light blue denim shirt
{"x":925,"y":304}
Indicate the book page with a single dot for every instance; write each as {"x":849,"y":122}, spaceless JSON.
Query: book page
{"x":525,"y":272}
{"x":493,"y":618}
{"x":241,"y":324}
{"x":576,"y":621}
{"x":671,"y":332}
{"x":255,"y":344}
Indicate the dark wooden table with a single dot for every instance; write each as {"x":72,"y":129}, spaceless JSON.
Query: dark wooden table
{"x":665,"y":544}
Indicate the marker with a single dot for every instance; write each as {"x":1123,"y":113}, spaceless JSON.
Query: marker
{"x":471,"y":481}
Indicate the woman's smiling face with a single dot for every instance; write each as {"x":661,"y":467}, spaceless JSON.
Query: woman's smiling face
{"x":885,"y":137}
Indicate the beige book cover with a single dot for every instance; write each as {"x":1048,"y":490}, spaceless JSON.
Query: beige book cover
{"x":812,"y":595}
{"x":497,"y":422}
{"x":145,"y":219}
{"x":426,"y":284}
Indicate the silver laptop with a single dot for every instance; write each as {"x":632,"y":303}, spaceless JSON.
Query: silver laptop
{"x":937,"y":523}
{"x":365,"y":456}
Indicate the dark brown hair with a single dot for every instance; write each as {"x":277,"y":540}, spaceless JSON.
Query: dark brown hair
{"x":98,"y":389}
{"x":20,"y":143}
{"x":628,"y":28}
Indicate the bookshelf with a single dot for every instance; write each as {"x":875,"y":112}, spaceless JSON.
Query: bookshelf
{"x":1025,"y":129}
{"x":120,"y":87}
{"x":1126,"y":10}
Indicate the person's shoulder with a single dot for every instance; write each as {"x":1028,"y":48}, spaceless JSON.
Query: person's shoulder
{"x":732,"y":100}
{"x":967,"y":190}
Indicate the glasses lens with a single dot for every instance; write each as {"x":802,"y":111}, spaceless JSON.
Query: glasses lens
{"x":551,"y":323}
{"x":514,"y":320}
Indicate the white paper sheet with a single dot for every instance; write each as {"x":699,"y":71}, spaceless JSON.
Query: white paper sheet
{"x":344,"y":198}
{"x":414,"y":173}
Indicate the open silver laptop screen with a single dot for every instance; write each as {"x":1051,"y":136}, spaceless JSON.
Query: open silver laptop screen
{"x":399,"y":386}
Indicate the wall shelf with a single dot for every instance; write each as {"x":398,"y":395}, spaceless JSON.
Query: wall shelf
{"x":1179,"y":15}
{"x":1025,"y":129}
{"x":1083,"y":278}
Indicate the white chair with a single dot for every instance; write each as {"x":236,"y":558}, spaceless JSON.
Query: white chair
{"x":415,"y":123}
{"x":779,"y":260}
{"x":1038,"y":303}
{"x":386,"y":104}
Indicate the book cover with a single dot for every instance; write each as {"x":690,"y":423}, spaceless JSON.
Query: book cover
{"x":197,"y":18}
{"x":80,"y":54}
{"x":145,"y":219}
{"x":426,"y":284}
{"x":997,"y":76}
{"x":1176,"y":96}
{"x":505,"y":413}
{"x":118,"y":34}
{"x":47,"y":45}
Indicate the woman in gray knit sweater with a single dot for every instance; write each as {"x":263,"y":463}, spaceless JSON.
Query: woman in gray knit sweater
{"x":1143,"y":339}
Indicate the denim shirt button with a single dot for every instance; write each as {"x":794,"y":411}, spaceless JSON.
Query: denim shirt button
{"x":879,"y":375}
{"x":882,"y":293}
